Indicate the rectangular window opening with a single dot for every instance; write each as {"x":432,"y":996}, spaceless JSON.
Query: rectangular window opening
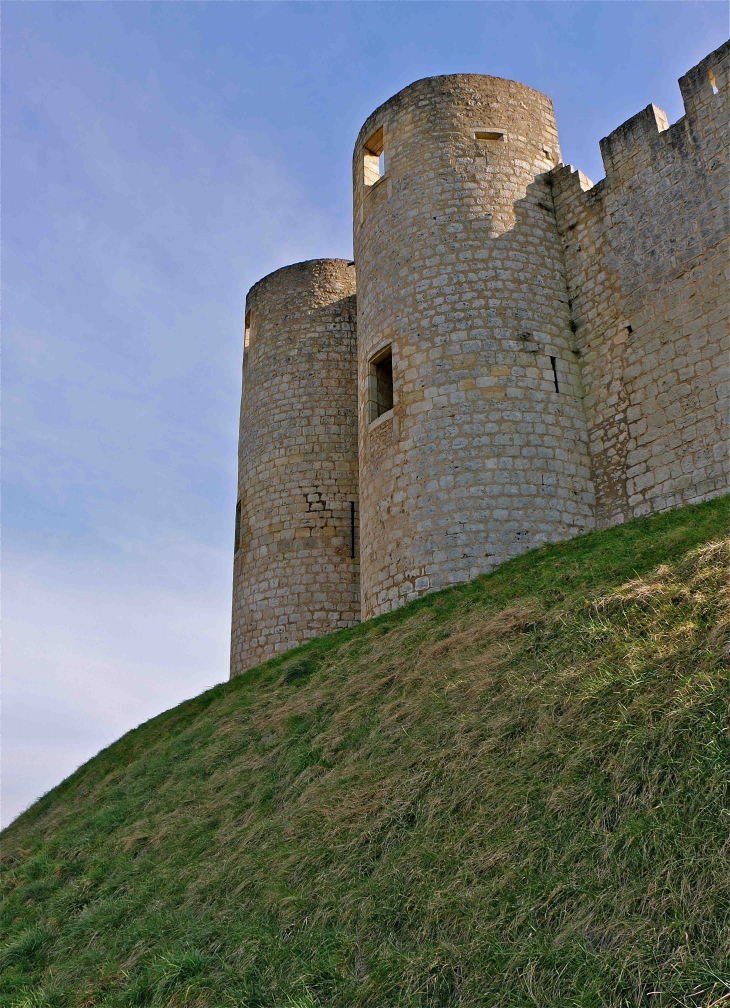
{"x":713,"y":82}
{"x":488,"y":135}
{"x":237,"y":534}
{"x":555,"y":373}
{"x":380,"y":384}
{"x":247,"y":330}
{"x":373,"y":158}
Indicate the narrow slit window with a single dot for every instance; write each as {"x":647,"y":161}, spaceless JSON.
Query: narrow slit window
{"x":713,"y":82}
{"x":247,"y":330}
{"x":237,"y":534}
{"x":380,"y":384}
{"x":352,"y":530}
{"x":488,"y":135}
{"x":373,"y":158}
{"x":555,"y":373}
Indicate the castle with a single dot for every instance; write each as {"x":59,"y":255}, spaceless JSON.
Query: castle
{"x":527,"y":355}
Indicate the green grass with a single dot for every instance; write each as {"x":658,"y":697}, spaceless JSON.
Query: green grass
{"x":510,"y":793}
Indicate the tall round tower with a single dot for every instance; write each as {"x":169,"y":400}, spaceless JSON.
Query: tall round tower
{"x":295,"y":575}
{"x":473,"y":442}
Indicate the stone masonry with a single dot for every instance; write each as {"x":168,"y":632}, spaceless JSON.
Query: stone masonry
{"x":295,"y":576}
{"x":535,"y":355}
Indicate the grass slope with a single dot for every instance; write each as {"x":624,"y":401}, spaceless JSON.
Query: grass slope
{"x":510,"y":793}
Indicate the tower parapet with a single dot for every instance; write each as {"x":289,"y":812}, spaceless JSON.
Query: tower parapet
{"x":295,"y":574}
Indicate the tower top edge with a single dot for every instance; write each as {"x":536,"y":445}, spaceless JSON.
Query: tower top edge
{"x":441,"y":81}
{"x":307,"y":267}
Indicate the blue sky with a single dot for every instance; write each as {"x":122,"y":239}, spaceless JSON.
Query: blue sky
{"x":158,"y":159}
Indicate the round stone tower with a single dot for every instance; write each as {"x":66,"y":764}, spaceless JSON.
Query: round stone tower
{"x":473,"y":442}
{"x":295,"y":575}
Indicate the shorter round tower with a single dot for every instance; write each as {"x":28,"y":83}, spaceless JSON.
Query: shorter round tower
{"x":295,"y":571}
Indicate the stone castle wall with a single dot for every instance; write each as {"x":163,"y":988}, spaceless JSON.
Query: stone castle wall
{"x":646,"y":257}
{"x":294,"y":574}
{"x":558,"y":354}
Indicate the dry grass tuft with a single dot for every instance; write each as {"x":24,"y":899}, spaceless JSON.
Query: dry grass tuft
{"x":483,"y":630}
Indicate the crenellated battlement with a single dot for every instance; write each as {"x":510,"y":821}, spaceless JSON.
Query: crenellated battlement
{"x":703,"y":82}
{"x":636,"y":142}
{"x":647,"y":137}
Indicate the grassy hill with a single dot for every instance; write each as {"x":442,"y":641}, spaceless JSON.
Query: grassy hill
{"x":510,"y":793}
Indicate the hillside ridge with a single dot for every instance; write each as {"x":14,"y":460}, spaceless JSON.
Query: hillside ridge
{"x":508,"y":793}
